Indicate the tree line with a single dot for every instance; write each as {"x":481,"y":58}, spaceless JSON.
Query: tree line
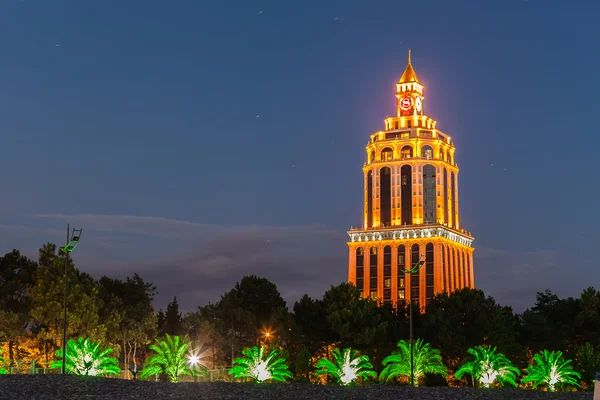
{"x":120,"y":314}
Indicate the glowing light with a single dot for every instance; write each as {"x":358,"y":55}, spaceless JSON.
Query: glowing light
{"x":193,"y":359}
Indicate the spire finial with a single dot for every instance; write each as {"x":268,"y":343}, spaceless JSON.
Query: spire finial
{"x":409,"y":56}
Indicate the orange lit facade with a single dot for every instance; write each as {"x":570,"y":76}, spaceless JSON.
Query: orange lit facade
{"x":410,"y":209}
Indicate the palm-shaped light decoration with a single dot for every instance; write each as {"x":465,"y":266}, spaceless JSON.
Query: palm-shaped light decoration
{"x":426,"y":360}
{"x":258,"y":368}
{"x":348,"y":366}
{"x":2,"y":370}
{"x":487,"y":366}
{"x":85,"y":357}
{"x":168,"y":358}
{"x":552,"y":370}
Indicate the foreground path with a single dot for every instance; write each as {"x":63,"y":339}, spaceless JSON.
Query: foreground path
{"x":45,"y":387}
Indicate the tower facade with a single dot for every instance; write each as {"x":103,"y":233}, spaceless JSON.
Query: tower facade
{"x":410,"y":209}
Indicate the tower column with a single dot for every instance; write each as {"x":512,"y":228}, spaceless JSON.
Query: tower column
{"x":352,"y":265}
{"x":423,"y":274}
{"x":366,"y":201}
{"x":438,"y":273}
{"x":380,"y":273}
{"x":471,"y":268}
{"x":456,"y":225}
{"x":394,"y":273}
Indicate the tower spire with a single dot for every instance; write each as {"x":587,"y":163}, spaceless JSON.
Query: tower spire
{"x":409,"y":74}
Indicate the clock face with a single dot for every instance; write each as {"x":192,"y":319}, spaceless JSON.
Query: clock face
{"x":418,"y":104}
{"x":406,"y":102}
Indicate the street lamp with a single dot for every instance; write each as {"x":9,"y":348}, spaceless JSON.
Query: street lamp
{"x":414,"y":270}
{"x":72,"y":242}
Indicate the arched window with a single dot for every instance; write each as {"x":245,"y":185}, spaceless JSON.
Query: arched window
{"x":406,"y":194}
{"x":396,"y":125}
{"x":409,"y":124}
{"x":373,"y":270}
{"x":387,"y":274}
{"x":372,"y":156}
{"x":369,"y":199}
{"x":428,"y":271}
{"x":360,"y":271}
{"x":385,"y":191}
{"x":429,"y":194}
{"x":406,"y":152}
{"x":427,"y":152}
{"x":414,"y":278}
{"x":445,"y":194}
{"x":444,"y":269}
{"x":470,"y":282}
{"x":454,"y":269}
{"x":442,"y":154}
{"x":387,"y":154}
{"x":360,"y":257}
{"x":453,"y":198}
{"x":401,"y":277}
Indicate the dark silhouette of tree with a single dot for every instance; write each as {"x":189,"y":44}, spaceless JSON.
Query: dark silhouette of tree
{"x":16,"y":279}
{"x":173,"y":321}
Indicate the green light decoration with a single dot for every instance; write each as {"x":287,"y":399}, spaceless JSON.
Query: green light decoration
{"x":426,"y":360}
{"x":2,"y":363}
{"x":552,"y":370}
{"x":259,"y":369}
{"x":85,"y":357}
{"x":72,"y":243}
{"x":348,"y":366}
{"x":486,"y":366}
{"x":170,"y":358}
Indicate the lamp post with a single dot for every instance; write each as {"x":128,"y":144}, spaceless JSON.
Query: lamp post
{"x":414,"y":270}
{"x":72,"y":242}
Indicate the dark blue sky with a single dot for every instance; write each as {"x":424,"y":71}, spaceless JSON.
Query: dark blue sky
{"x":198,"y":141}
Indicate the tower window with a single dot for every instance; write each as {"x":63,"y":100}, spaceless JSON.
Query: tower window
{"x":387,"y":154}
{"x":427,"y":152}
{"x":396,"y":125}
{"x":406,"y":152}
{"x":409,"y":124}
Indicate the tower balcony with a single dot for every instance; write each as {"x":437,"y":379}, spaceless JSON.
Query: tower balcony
{"x":401,"y":232}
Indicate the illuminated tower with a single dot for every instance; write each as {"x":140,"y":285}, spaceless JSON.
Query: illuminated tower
{"x":410,"y":208}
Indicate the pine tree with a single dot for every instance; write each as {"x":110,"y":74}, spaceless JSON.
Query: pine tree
{"x":173,"y":321}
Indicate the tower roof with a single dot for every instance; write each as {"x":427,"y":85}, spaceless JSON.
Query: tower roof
{"x":409,"y":74}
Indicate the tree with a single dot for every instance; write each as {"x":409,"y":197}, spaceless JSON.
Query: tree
{"x":252,"y":307}
{"x":311,"y":317}
{"x":588,"y":360}
{"x":47,"y":296}
{"x":16,"y":279}
{"x":129,"y":315}
{"x":173,"y":321}
{"x":426,"y":360}
{"x":84,"y":357}
{"x":352,"y":320}
{"x":259,"y":369}
{"x":468,"y":318}
{"x":348,"y":366}
{"x":487,"y":367}
{"x":302,"y":364}
{"x":550,"y":324}
{"x":168,"y":358}
{"x":552,"y":370}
